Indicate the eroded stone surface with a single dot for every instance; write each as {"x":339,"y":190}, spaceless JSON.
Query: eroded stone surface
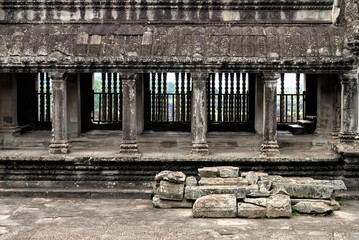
{"x":225,"y":172}
{"x":312,"y":207}
{"x":216,"y":206}
{"x":247,"y":210}
{"x":160,"y":203}
{"x":252,"y":178}
{"x":257,"y":201}
{"x":171,"y":176}
{"x":279,"y":206}
{"x":306,"y":190}
{"x":223,"y":181}
{"x":195,"y":192}
{"x":191,"y":181}
{"x":170,"y":191}
{"x":264,"y":185}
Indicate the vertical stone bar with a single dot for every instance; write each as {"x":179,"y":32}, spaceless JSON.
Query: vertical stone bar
{"x":199,"y":114}
{"x":59,"y":143}
{"x":129,"y":118}
{"x":270,"y":145}
{"x":349,"y":106}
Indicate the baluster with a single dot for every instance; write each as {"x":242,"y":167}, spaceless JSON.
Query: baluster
{"x":103,"y":100}
{"x":231,"y":108}
{"x":120,"y":97}
{"x":244,"y":84}
{"x":109,"y":92}
{"x":153,"y":92}
{"x":177,"y":97}
{"x":165,"y":101}
{"x":298,"y":92}
{"x":115,"y":101}
{"x":42,"y":100}
{"x":208,"y":83}
{"x":220,"y":75}
{"x":282,"y":97}
{"x":48,"y":99}
{"x":159,"y":89}
{"x":225,"y":113}
{"x":183,"y":101}
{"x":189,"y":96}
{"x":238,"y":95}
{"x":213,"y":97}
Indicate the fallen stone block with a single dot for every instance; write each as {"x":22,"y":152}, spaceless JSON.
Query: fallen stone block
{"x":271,"y":178}
{"x":337,"y":185}
{"x":222,"y":181}
{"x":225,"y":172}
{"x":279,"y":206}
{"x":306,"y":190}
{"x":195,"y":192}
{"x":297,"y":179}
{"x":160,"y":203}
{"x":264,"y":185}
{"x":312,"y":207}
{"x":215,"y":206}
{"x":332,"y":203}
{"x":191,"y":181}
{"x":252,"y":178}
{"x":257,"y":201}
{"x":258,"y":193}
{"x":170,"y":176}
{"x":247,"y":210}
{"x":170,"y":191}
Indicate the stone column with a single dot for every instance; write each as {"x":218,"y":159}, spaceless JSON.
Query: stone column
{"x":9,"y":127}
{"x":199,"y":114}
{"x":129,"y":114}
{"x":59,"y":143}
{"x":349,"y":106}
{"x":270,"y":145}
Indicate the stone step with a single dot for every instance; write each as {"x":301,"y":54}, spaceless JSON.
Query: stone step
{"x":296,"y":129}
{"x":76,"y":193}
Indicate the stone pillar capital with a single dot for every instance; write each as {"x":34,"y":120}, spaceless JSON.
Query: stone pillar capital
{"x":349,"y":76}
{"x":128,"y":76}
{"x":199,"y":76}
{"x":270,"y":77}
{"x":57,"y":76}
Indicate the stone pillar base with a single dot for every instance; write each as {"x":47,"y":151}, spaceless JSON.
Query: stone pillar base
{"x":59,"y":147}
{"x":270,"y":148}
{"x":200,"y":149}
{"x":347,"y":137}
{"x":129,"y":147}
{"x":11,"y":130}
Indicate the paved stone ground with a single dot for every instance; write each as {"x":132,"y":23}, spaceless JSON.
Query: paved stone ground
{"x":40,"y":218}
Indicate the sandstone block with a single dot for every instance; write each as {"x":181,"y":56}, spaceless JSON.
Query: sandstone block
{"x":264,"y":185}
{"x":170,"y":176}
{"x":252,"y":178}
{"x":272,"y":178}
{"x":160,"y":203}
{"x":223,"y":181}
{"x":195,"y":192}
{"x":191,"y":181}
{"x":335,"y":184}
{"x":259,"y":174}
{"x":225,"y":172}
{"x":279,"y":206}
{"x":247,"y":210}
{"x":216,"y":206}
{"x":312,"y":207}
{"x":306,"y":190}
{"x":170,"y":191}
{"x":258,"y":194}
{"x":332,"y":203}
{"x":257,"y":201}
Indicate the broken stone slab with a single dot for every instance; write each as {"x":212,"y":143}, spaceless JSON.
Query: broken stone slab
{"x":215,"y":206}
{"x":271,"y":178}
{"x":257,"y":201}
{"x":258,"y":193}
{"x":337,"y":185}
{"x":252,"y":178}
{"x":222,"y":181}
{"x":332,"y":203}
{"x":312,"y":207}
{"x":160,"y":203}
{"x":279,"y":206}
{"x":279,"y":190}
{"x":191,"y":181}
{"x":195,"y":192}
{"x":306,"y":190}
{"x":297,"y":179}
{"x":247,"y":210}
{"x":265,"y":185}
{"x":170,"y":176}
{"x":212,"y":172}
{"x":259,"y":174}
{"x":170,"y":191}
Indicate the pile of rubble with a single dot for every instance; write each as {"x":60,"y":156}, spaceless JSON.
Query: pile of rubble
{"x":221,"y":192}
